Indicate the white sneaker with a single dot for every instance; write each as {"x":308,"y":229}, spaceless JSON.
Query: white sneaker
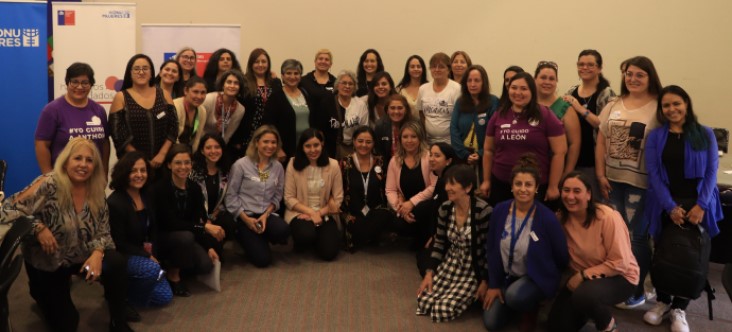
{"x":657,"y":314}
{"x":678,"y":321}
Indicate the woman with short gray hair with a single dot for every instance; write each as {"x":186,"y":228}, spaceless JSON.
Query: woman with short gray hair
{"x":289,"y":109}
{"x":340,"y":115}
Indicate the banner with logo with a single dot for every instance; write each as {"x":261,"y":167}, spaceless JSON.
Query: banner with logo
{"x":23,"y":33}
{"x":163,"y":41}
{"x":100,"y":34}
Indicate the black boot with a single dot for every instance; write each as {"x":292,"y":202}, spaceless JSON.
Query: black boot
{"x":119,"y":326}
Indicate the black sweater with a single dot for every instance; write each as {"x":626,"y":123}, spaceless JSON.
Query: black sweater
{"x":127,"y":231}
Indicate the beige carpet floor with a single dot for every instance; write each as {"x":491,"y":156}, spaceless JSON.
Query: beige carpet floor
{"x":371,"y":290}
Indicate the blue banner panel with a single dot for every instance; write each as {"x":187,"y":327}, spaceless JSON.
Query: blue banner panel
{"x":24,"y":86}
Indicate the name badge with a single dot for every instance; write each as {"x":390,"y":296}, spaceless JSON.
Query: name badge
{"x":506,"y":125}
{"x":615,"y":115}
{"x":160,"y":115}
{"x":534,"y":237}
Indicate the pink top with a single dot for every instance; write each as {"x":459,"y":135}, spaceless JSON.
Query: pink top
{"x":511,"y":140}
{"x":392,"y":182}
{"x":603,"y":249}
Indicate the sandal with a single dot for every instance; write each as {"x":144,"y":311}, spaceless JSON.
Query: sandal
{"x":179,"y":289}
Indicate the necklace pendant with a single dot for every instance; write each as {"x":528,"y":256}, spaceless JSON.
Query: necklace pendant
{"x":514,"y":121}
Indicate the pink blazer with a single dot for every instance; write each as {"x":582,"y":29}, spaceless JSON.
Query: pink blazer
{"x":392,"y":182}
{"x":296,"y":188}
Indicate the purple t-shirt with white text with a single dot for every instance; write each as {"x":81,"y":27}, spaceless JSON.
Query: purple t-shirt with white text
{"x":511,"y":140}
{"x":60,"y":122}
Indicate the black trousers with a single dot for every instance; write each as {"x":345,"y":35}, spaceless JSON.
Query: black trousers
{"x":52,"y":291}
{"x":326,"y":238}
{"x":256,"y":246}
{"x":368,"y":229}
{"x":591,"y":300}
{"x":180,"y":249}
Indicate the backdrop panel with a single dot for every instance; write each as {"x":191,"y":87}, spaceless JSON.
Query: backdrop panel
{"x":162,"y":41}
{"x":23,"y":33}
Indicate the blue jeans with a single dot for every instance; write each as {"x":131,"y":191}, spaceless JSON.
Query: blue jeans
{"x":630,"y":202}
{"x":522,"y":295}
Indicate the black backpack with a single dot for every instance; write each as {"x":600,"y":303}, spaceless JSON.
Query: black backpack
{"x":681,"y":260}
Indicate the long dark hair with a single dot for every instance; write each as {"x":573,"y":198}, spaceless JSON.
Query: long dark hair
{"x":177,"y":85}
{"x":407,"y":78}
{"x":604,"y":83}
{"x":212,"y":67}
{"x":532,"y":109}
{"x":515,"y":69}
{"x":645,"y":64}
{"x":484,"y":96}
{"x":448,"y":152}
{"x":361,"y":73}
{"x":372,"y":98}
{"x":251,"y":79}
{"x":404,"y":102}
{"x":199,"y":159}
{"x":591,"y":204}
{"x":300,"y":161}
{"x":694,"y":132}
{"x":127,"y":81}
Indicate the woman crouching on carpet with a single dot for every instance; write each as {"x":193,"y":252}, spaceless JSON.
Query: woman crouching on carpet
{"x":458,"y":273}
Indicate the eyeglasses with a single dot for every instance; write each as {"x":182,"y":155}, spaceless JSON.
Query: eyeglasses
{"x":586,"y":65}
{"x":347,"y":83}
{"x":141,"y":69}
{"x":548,"y":63}
{"x":181,"y":162}
{"x":638,"y":75}
{"x":188,"y":57}
{"x":76,"y":84}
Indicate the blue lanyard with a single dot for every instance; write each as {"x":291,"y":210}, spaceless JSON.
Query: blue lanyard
{"x":514,"y":236}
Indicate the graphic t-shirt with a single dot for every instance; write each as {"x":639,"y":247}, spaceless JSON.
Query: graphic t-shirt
{"x":60,"y":122}
{"x":437,"y":108}
{"x":625,"y":132}
{"x":511,"y":140}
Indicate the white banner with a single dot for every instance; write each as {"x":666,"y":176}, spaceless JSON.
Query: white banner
{"x":100,"y":34}
{"x":162,"y":41}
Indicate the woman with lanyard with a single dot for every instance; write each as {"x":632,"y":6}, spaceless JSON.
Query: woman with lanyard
{"x":364,"y":203}
{"x":526,"y":250}
{"x":259,"y":86}
{"x":134,"y":230}
{"x":338,"y":116}
{"x":588,"y":99}
{"x":472,"y":111}
{"x":546,"y":75}
{"x":223,"y":107}
{"x":191,"y":115}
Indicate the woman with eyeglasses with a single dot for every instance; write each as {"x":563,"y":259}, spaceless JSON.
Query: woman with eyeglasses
{"x":259,"y":87}
{"x":520,"y":126}
{"x":588,"y":99}
{"x":620,"y":157}
{"x":170,"y":78}
{"x":142,"y":116}
{"x":546,"y":76}
{"x":187,"y":58}
{"x":74,"y":112}
{"x":221,"y":61}
{"x":415,"y":74}
{"x":187,"y":236}
{"x":338,"y":116}
{"x":436,"y":100}
{"x":682,"y":161}
{"x":224,"y":110}
{"x":368,"y":65}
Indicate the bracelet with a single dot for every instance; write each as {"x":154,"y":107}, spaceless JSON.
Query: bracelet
{"x":587,"y":112}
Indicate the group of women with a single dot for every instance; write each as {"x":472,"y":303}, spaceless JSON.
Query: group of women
{"x":500,"y":196}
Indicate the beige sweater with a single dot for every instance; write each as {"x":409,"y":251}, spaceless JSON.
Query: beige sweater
{"x":296,"y":188}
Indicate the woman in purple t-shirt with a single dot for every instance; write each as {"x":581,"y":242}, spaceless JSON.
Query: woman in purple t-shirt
{"x":522,"y":125}
{"x":72,"y":115}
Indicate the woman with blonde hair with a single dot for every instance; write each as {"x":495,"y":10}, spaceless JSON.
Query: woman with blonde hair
{"x":71,"y":236}
{"x":253,"y":177}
